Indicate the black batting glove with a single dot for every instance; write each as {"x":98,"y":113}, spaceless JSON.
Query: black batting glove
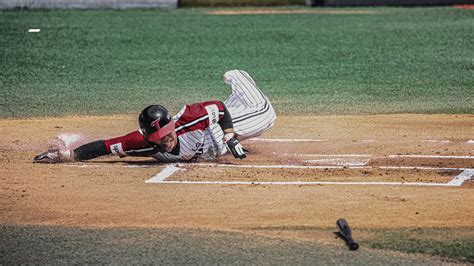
{"x":234,"y":146}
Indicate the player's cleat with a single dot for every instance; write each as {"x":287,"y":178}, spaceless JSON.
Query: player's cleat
{"x":52,"y":156}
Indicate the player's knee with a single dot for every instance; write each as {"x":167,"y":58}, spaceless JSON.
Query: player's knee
{"x":229,"y":76}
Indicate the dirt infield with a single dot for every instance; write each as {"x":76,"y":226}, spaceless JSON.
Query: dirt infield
{"x":111,"y":192}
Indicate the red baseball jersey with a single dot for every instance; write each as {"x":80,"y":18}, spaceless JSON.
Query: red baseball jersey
{"x":198,"y":130}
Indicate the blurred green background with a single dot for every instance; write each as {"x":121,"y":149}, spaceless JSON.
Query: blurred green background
{"x":385,"y":60}
{"x":234,"y":3}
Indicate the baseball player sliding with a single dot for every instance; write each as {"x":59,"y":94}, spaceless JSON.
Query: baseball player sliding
{"x":203,"y":130}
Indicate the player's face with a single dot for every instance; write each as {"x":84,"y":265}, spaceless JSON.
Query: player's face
{"x":168,"y":142}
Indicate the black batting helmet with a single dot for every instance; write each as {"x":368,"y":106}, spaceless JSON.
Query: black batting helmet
{"x":155,"y":122}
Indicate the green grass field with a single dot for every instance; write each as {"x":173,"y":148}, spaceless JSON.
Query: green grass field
{"x":398,"y":60}
{"x":451,"y":243}
{"x":237,"y":3}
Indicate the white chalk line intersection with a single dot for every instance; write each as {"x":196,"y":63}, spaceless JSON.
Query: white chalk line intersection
{"x":165,"y":173}
{"x":459,"y":179}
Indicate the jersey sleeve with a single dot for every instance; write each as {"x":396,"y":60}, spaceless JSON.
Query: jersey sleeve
{"x":199,"y":116}
{"x":131,"y":144}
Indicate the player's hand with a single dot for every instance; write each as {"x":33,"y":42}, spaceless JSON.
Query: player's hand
{"x":234,"y":146}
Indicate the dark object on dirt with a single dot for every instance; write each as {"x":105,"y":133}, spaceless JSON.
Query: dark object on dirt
{"x":346,"y":233}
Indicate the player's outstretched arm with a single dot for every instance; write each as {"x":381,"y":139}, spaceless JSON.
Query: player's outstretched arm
{"x":90,"y":150}
{"x":131,"y":144}
{"x":84,"y":152}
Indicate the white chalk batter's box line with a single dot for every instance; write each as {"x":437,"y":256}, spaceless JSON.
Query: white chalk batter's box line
{"x":169,"y":170}
{"x":364,"y":159}
{"x":373,"y":156}
{"x":363,"y":140}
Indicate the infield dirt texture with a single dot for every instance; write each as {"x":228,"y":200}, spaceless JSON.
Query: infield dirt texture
{"x":375,"y":113}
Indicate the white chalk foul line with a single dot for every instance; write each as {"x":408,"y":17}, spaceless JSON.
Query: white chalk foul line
{"x":364,"y":140}
{"x":389,"y":156}
{"x":436,"y":141}
{"x":421,"y":168}
{"x":272,"y":166}
{"x":110,"y":165}
{"x":330,"y":155}
{"x":431,"y":156}
{"x":339,"y":161}
{"x":287,"y":140}
{"x":83,"y":165}
{"x":305,"y":183}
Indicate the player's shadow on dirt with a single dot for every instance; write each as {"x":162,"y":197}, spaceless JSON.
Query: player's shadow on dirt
{"x":129,"y":162}
{"x":149,"y":162}
{"x":338,"y":235}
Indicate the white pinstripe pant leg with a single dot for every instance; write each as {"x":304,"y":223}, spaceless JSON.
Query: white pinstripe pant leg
{"x":251,"y":111}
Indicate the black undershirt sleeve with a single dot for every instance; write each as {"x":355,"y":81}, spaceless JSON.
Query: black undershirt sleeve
{"x":90,"y":150}
{"x":226,"y":121}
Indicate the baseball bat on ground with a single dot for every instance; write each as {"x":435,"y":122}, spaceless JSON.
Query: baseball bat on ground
{"x":346,"y":233}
